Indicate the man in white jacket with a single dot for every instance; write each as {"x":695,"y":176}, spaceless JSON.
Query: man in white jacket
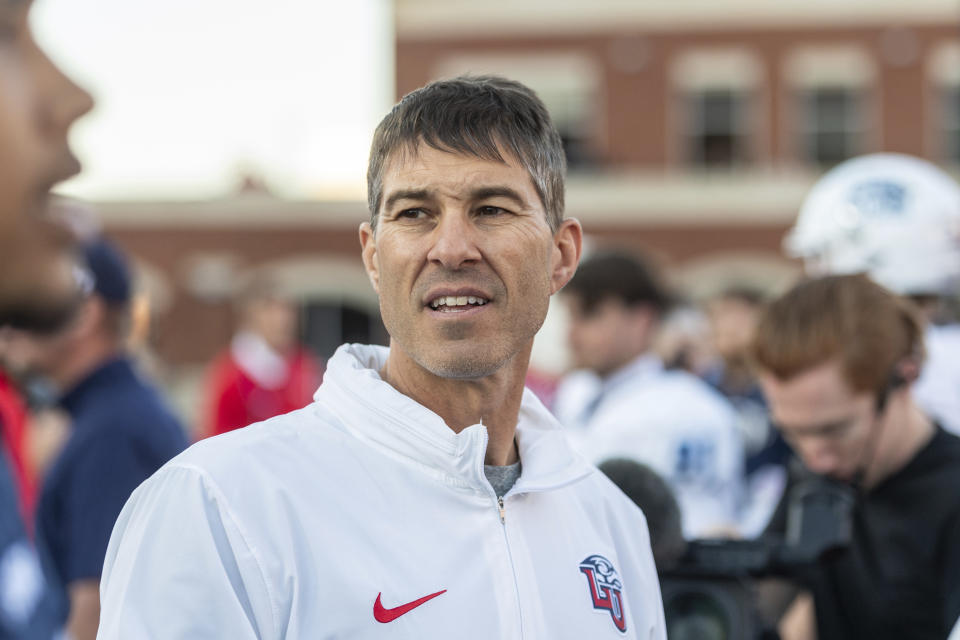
{"x":395,"y":505}
{"x":622,"y":402}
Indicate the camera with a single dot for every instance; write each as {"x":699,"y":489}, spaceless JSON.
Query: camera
{"x":710,"y":594}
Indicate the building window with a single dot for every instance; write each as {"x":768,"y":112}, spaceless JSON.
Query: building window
{"x":572,"y":114}
{"x":951,"y":124}
{"x":325,"y":325}
{"x":831,"y":124}
{"x":717,"y":135}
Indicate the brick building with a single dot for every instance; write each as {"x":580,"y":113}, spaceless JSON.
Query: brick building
{"x":693,"y":129}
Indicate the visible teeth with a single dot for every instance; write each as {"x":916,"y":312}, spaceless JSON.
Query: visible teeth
{"x":456,"y":301}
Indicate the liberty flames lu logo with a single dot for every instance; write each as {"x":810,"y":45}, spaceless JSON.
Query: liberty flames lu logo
{"x":605,"y":588}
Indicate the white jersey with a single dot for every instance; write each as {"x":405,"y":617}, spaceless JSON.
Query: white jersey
{"x":364,"y":516}
{"x":937,"y":390}
{"x":669,"y":420}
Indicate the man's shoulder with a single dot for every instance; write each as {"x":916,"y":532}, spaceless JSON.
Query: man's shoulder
{"x":607,"y":501}
{"x":135,"y":413}
{"x":293,"y":445}
{"x":938,"y":462}
{"x":679,"y":393}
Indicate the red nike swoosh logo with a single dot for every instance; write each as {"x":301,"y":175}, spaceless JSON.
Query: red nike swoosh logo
{"x":389,"y":615}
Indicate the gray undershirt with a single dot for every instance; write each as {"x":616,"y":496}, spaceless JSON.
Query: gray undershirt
{"x":502,"y":478}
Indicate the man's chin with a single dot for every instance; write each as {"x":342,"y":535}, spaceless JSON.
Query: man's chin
{"x":464,"y":369}
{"x":463,"y":364}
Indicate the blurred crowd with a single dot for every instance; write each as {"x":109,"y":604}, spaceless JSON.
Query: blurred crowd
{"x":707,"y":412}
{"x":659,"y":384}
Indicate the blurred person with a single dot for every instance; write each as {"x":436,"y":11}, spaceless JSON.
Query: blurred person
{"x":13,"y":421}
{"x":121,"y":431}
{"x":38,"y":104}
{"x":897,"y":219}
{"x":424,"y":488}
{"x":42,"y":427}
{"x":622,"y":402}
{"x":683,"y":340}
{"x":651,"y":493}
{"x":265,"y":372}
{"x":733,"y":315}
{"x":836,"y":359}
{"x":543,"y":384}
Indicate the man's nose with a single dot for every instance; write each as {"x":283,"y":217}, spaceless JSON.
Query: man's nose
{"x":63,"y":101}
{"x":454,"y":241}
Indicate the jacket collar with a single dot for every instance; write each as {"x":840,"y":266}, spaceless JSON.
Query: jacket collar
{"x":376,"y":412}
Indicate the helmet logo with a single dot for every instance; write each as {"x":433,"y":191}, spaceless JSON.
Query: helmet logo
{"x":879,"y":198}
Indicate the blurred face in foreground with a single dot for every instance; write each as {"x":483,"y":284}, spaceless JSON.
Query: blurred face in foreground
{"x":464,"y":261}
{"x":829,"y":426}
{"x":38,"y":104}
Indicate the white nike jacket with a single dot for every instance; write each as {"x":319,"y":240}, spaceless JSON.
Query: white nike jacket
{"x":364,"y":516}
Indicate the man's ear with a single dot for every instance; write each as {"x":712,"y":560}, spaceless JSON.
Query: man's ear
{"x":90,"y":316}
{"x":567,"y":245}
{"x":368,"y":252}
{"x":905,"y":372}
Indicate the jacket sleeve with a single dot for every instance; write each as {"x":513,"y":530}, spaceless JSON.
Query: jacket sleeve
{"x":178,"y":566}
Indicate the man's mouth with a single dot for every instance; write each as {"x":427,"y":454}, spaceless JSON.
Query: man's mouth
{"x":452,"y":304}
{"x":67,"y":167}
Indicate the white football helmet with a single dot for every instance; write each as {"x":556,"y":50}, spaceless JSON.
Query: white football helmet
{"x":892,"y":216}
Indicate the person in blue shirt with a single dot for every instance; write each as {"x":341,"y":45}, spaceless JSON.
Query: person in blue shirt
{"x":38,"y":105}
{"x":28,"y":604}
{"x":121,"y":432}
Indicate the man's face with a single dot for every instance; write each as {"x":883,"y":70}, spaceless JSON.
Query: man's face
{"x":464,"y":261}
{"x":275,"y":320}
{"x":828,"y":425}
{"x":609,"y":335}
{"x":37,"y":106}
{"x":732,"y":323}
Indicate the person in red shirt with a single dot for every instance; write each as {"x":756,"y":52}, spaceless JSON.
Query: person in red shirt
{"x":13,"y":418}
{"x":265,"y":371}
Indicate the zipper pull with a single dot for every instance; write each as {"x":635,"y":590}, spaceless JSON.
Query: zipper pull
{"x":503,"y":519}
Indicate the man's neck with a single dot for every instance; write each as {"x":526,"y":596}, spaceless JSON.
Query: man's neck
{"x":493,"y":400}
{"x":625,"y":368}
{"x":75,"y":367}
{"x":908,"y":430}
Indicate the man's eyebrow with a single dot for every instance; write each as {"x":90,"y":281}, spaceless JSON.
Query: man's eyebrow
{"x":482,"y":193}
{"x":479,"y":193}
{"x":405,"y":194}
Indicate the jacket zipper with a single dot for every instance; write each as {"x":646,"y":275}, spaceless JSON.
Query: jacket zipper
{"x":513,"y":569}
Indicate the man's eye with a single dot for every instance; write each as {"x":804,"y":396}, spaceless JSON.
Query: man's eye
{"x":490,"y":211}
{"x":411,"y":214}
